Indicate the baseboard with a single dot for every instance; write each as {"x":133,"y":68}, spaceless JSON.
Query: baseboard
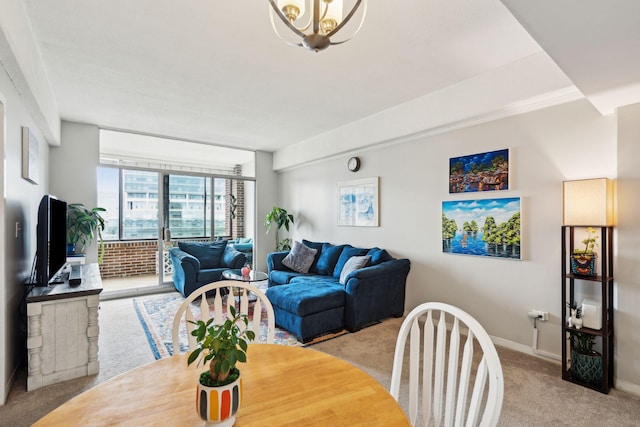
{"x":620,"y":385}
{"x":525,"y":349}
{"x":8,"y":385}
{"x":627,"y":387}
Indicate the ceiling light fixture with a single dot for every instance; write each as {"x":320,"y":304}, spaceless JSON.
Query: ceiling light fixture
{"x":325,"y":20}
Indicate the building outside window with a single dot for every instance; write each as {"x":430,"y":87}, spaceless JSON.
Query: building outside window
{"x":132,"y":214}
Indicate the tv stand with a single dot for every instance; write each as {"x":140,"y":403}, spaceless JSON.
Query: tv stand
{"x":62,"y":330}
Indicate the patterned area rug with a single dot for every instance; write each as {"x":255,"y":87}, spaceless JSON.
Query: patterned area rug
{"x":156,"y":313}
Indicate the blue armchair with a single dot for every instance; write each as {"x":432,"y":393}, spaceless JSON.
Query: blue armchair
{"x":198,"y":263}
{"x":244,"y":245}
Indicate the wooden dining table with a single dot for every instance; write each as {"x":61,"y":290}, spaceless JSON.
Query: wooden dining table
{"x":282,"y":386}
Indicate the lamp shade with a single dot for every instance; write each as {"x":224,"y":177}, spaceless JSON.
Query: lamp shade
{"x":588,"y":202}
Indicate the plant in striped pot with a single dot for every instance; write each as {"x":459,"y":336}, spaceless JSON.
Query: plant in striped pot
{"x":223,"y":346}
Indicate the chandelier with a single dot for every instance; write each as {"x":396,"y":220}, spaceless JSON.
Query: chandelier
{"x":324,"y":20}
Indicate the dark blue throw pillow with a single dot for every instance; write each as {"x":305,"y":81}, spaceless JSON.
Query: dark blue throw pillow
{"x":318,"y":247}
{"x":378,"y":255}
{"x":328,"y":259}
{"x":348,"y":252}
{"x":209,"y":254}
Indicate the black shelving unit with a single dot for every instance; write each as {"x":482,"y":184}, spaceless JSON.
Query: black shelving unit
{"x":604,"y":281}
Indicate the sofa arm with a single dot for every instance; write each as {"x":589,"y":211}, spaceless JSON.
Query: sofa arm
{"x":185,"y":268}
{"x":232,"y":258}
{"x":375,"y":293}
{"x":274,"y":261}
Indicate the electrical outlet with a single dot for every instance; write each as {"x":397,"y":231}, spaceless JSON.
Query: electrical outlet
{"x":542,"y":315}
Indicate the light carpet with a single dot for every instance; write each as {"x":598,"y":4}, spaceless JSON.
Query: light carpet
{"x":156,"y":315}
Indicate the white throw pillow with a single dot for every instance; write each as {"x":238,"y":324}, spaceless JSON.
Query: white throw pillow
{"x":354,"y":263}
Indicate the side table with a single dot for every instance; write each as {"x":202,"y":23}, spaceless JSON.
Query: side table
{"x":253,"y":276}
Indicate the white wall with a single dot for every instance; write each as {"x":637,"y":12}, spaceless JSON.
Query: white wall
{"x":74,"y":173}
{"x":20,"y":205}
{"x":627,"y":271}
{"x":266,"y":198}
{"x":566,"y":142}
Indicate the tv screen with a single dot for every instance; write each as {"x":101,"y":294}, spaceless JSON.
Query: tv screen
{"x":51,"y":252}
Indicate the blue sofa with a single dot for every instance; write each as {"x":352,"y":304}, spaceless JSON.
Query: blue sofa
{"x":315,"y":303}
{"x":198,"y":263}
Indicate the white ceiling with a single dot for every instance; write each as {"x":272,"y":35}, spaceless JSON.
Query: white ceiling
{"x":215,"y":72}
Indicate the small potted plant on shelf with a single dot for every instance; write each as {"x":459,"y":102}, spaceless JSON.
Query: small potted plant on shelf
{"x":223,"y":346}
{"x":281,"y":218}
{"x":586,"y":363}
{"x":84,"y":225}
{"x":583,"y":260}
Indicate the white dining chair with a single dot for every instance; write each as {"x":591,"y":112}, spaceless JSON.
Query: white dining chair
{"x":238,"y":293}
{"x":446,"y":384}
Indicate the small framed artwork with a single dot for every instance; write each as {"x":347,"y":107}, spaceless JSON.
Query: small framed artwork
{"x":358,"y":203}
{"x":30,"y":156}
{"x":489,"y":227}
{"x":479,"y":172}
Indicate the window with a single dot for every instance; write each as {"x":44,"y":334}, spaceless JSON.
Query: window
{"x":109,"y":198}
{"x":187,"y":217}
{"x":190,"y":205}
{"x":140,"y":201}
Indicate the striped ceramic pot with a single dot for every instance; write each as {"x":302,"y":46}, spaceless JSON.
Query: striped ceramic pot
{"x":217,"y":406}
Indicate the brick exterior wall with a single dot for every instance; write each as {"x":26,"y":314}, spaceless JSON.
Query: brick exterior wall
{"x":125,"y":259}
{"x":235,"y":227}
{"x":132,"y":258}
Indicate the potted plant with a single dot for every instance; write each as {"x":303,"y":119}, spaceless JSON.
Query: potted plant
{"x":586,"y":363}
{"x":281,"y":218}
{"x":223,"y":346}
{"x":84,"y":225}
{"x":583,"y":261}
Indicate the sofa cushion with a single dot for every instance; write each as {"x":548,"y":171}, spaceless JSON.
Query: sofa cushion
{"x":209,"y":254}
{"x":300,"y":257}
{"x":281,"y":277}
{"x":354,"y":263}
{"x":328,"y":259}
{"x":303,"y":300}
{"x":379,"y":255}
{"x":348,"y":252}
{"x":210,"y":275}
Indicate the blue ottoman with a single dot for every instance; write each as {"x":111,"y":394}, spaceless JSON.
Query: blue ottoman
{"x":310,"y":307}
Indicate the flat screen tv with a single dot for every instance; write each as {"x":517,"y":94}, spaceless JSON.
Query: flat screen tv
{"x":51,"y":252}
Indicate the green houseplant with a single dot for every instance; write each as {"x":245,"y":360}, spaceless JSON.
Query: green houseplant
{"x":586,"y":363}
{"x":583,"y":259}
{"x":84,"y":225}
{"x":281,"y":218}
{"x":223,"y":346}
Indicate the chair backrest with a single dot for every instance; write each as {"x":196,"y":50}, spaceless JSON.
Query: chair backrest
{"x":464,"y":373}
{"x":239,"y":293}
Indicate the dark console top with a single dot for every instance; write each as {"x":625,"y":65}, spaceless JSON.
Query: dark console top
{"x":83,"y":280}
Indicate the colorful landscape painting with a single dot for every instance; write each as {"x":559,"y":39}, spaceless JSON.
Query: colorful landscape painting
{"x":479,"y":172}
{"x":488,"y":227}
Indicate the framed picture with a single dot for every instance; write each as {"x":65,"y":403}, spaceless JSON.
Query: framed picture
{"x":30,"y":156}
{"x":488,"y":227}
{"x":479,"y":172}
{"x":358,"y":203}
